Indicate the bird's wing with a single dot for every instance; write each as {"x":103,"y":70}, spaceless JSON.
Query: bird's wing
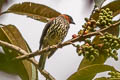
{"x":44,"y":32}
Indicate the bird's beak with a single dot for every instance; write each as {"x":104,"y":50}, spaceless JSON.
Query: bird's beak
{"x":72,"y":22}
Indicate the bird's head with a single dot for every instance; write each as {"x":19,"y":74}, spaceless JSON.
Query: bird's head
{"x":68,"y":18}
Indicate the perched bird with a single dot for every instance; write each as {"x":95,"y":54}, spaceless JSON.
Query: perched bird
{"x":54,"y":33}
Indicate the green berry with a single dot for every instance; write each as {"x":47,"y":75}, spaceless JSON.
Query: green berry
{"x":92,"y":57}
{"x":111,"y":40}
{"x":111,"y":17}
{"x":107,"y":43}
{"x":115,"y":41}
{"x":97,"y":23}
{"x":79,"y":51}
{"x":83,"y":26}
{"x":107,"y":50}
{"x":111,"y":73}
{"x":102,"y":10}
{"x":107,"y":9}
{"x":103,"y":22}
{"x":114,"y":37}
{"x":109,"y":24}
{"x":80,"y":32}
{"x":86,"y":53}
{"x":106,"y":14}
{"x":96,"y":54}
{"x":89,"y":28}
{"x":105,"y":40}
{"x":101,"y":14}
{"x":110,"y":20}
{"x":110,"y":12}
{"x":92,"y":49}
{"x":104,"y":17}
{"x":116,"y":58}
{"x":86,"y":19}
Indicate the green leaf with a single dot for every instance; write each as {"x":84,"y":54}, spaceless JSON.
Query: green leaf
{"x":24,"y":69}
{"x":98,"y":3}
{"x":85,"y":62}
{"x":36,"y":11}
{"x":114,"y":30}
{"x":86,"y":72}
{"x":102,"y":78}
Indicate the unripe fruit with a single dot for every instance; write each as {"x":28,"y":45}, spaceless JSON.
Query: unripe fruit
{"x":105,"y":18}
{"x":105,"y":40}
{"x":102,"y":10}
{"x":110,"y":12}
{"x":79,"y":52}
{"x":107,"y":9}
{"x":101,"y":14}
{"x":83,"y":26}
{"x":86,"y":19}
{"x":101,"y":19}
{"x":86,"y":53}
{"x":97,"y":23}
{"x":80,"y":32}
{"x":92,"y":58}
{"x":96,"y":54}
{"x":103,"y":22}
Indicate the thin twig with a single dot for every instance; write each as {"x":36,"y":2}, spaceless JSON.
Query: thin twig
{"x":79,"y":38}
{"x":47,"y":75}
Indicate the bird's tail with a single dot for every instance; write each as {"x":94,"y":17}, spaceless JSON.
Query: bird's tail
{"x":43,"y":58}
{"x":42,"y":61}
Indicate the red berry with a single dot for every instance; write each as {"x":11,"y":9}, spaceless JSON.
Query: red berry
{"x":87,"y":44}
{"x":86,"y":32}
{"x":89,"y":23}
{"x":74,"y":36}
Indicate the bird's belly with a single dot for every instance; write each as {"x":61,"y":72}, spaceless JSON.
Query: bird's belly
{"x":55,"y":39}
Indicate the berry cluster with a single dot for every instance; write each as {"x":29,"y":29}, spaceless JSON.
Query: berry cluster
{"x":89,"y":26}
{"x":105,"y":18}
{"x":88,"y":50}
{"x":114,"y":74}
{"x":110,"y":45}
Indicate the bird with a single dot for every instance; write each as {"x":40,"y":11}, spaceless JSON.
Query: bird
{"x":53,"y":33}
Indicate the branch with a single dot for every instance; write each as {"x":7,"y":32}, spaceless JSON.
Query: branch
{"x":18,"y":49}
{"x":47,"y":75}
{"x":79,"y":38}
{"x":32,"y":60}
